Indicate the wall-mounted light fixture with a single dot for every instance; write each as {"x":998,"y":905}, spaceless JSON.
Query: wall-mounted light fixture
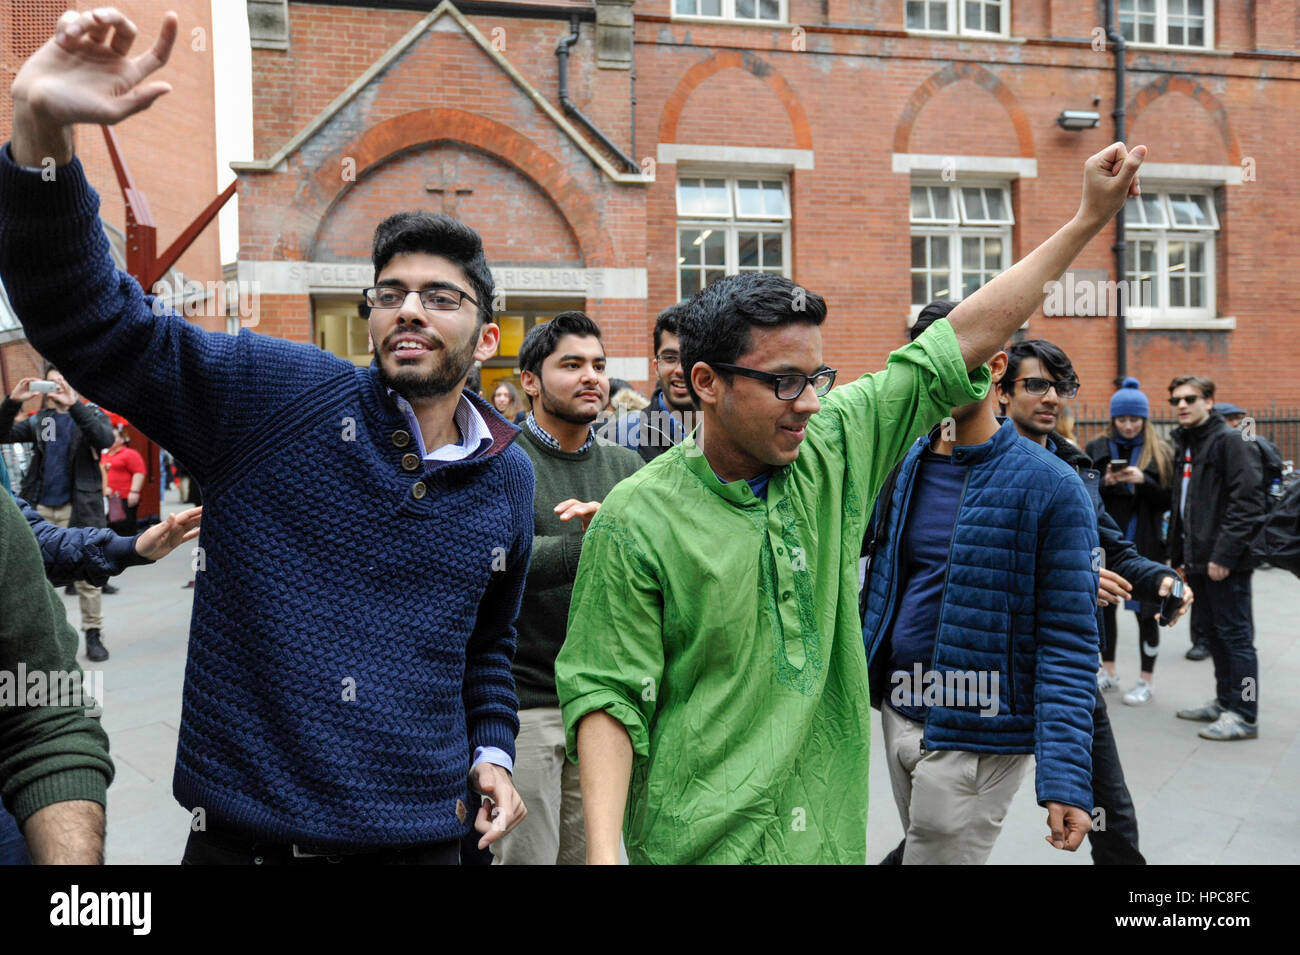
{"x":1077,"y":119}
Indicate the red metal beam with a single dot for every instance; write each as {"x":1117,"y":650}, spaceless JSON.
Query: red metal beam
{"x":174,"y":251}
{"x":147,"y":267}
{"x":141,"y":230}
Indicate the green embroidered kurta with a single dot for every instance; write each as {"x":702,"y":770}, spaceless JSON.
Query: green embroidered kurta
{"x":722,"y":630}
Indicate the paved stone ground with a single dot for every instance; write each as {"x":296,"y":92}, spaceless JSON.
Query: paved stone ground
{"x":1198,"y":802}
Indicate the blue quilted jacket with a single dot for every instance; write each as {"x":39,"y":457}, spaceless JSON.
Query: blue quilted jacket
{"x":1020,"y":600}
{"x":92,"y":554}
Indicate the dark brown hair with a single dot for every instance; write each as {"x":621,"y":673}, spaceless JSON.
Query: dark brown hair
{"x":1204,"y":385}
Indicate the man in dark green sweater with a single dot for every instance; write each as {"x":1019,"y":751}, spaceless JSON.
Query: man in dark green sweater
{"x":54,"y":765}
{"x":563,"y":369}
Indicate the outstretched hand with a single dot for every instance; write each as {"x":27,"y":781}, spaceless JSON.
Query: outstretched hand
{"x":1109,"y":178}
{"x":168,"y":534}
{"x":83,"y":74}
{"x":583,"y":510}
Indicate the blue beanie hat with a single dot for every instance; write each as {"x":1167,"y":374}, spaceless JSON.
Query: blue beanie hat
{"x":1129,"y":400}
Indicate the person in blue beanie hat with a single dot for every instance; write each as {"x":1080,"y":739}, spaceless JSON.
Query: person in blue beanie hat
{"x":1137,"y":471}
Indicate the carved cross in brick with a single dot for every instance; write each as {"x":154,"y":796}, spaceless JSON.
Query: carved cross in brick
{"x":450,"y":193}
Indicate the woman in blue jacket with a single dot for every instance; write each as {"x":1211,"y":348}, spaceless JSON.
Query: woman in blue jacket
{"x":1137,"y":470}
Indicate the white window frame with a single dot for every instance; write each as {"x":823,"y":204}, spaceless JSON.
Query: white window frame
{"x":1166,"y":315}
{"x":733,"y":224}
{"x":1162,"y":28}
{"x":957,"y":19}
{"x":956,"y":228}
{"x":729,"y":14}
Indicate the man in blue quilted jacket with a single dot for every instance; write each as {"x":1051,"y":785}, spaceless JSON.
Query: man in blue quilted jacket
{"x":1034,"y":408}
{"x":981,"y":632}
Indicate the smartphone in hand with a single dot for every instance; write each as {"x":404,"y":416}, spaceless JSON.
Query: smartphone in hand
{"x":1170,"y":603}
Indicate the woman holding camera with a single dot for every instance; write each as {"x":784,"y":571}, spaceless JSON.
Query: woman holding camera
{"x":1137,"y":471}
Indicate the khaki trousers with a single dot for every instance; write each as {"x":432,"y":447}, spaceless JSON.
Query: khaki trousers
{"x":553,"y":833}
{"x":91,"y":617}
{"x":952,"y":803}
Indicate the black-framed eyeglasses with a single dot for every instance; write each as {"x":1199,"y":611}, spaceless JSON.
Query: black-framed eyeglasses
{"x":788,"y":387}
{"x":1188,"y":399}
{"x":1066,"y":387}
{"x":668,"y":358}
{"x":441,"y":299}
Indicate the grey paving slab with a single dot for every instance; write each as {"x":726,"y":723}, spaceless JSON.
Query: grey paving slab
{"x":148,"y":828}
{"x":1176,"y":833}
{"x":151,"y":749}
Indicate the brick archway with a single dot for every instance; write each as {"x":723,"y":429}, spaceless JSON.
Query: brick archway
{"x":955,"y":73}
{"x":734,"y":60}
{"x":1207,"y":101}
{"x":322,"y":191}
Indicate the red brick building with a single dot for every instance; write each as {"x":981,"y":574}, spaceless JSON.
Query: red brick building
{"x":880,"y":152}
{"x":170,"y":149}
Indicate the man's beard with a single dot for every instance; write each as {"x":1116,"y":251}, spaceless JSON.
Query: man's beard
{"x":556,"y":410}
{"x":449,"y":370}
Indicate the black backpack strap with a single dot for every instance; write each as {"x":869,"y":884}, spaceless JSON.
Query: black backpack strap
{"x":879,"y":513}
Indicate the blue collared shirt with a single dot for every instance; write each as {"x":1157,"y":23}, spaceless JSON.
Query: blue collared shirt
{"x":475,"y":438}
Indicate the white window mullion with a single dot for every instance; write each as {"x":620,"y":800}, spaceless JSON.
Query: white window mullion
{"x":1211,"y":271}
{"x":954,"y":265}
{"x":1162,"y":271}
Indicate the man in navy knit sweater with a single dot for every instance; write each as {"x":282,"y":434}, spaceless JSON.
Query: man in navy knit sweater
{"x":366,"y":531}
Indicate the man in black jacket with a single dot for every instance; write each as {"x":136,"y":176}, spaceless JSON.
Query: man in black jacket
{"x":1217,"y":504}
{"x":63,"y":480}
{"x":1035,"y":365}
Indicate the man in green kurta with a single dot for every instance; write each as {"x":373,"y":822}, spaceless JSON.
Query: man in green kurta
{"x":713,"y":668}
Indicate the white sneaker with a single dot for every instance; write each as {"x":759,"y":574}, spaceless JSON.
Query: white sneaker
{"x":1230,"y":726}
{"x":1106,"y":681}
{"x":1140,"y":694}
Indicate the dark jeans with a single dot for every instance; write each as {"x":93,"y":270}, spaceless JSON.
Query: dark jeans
{"x":1117,"y":843}
{"x":226,"y":848}
{"x":1227,"y":611}
{"x":1200,"y":622}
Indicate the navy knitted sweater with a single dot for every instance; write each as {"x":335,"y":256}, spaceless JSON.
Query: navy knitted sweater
{"x":353,"y":622}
